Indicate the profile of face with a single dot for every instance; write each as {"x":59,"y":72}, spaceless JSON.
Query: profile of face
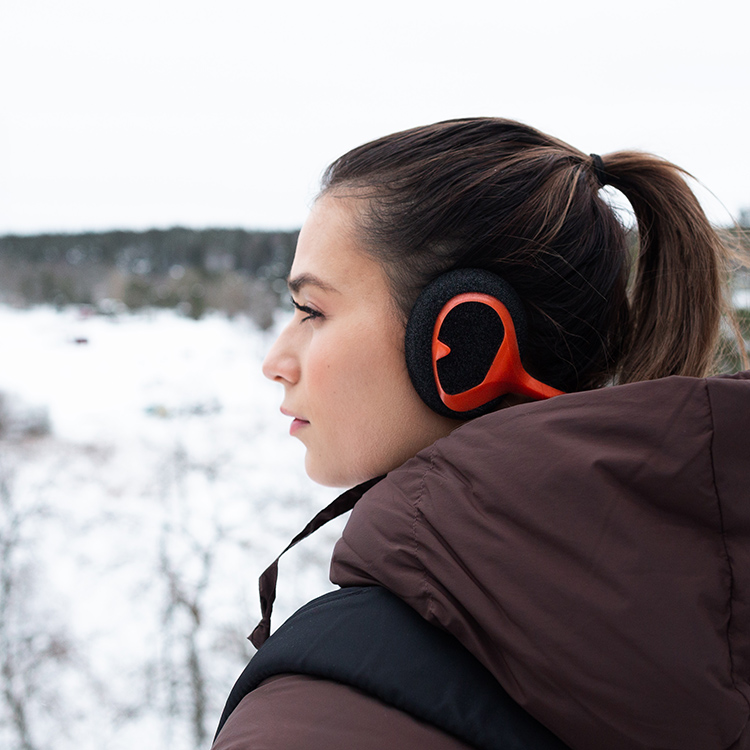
{"x":341,"y":358}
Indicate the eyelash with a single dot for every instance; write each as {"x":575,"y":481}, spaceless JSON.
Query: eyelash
{"x":309,"y":312}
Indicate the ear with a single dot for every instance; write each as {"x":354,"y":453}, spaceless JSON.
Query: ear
{"x":463,"y":342}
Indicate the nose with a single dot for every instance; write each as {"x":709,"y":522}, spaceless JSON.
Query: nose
{"x":282,"y":363}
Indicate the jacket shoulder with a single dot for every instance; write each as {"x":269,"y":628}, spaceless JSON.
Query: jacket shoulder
{"x":591,"y":540}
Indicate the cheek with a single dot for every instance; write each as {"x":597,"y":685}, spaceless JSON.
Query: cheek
{"x":357,"y":393}
{"x":356,"y":369}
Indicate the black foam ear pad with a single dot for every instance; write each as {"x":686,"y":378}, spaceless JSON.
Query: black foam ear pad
{"x":472,"y":330}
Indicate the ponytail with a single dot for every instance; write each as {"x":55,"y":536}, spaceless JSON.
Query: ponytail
{"x":676,"y":299}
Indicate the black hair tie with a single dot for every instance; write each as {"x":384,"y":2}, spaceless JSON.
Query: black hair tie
{"x":599,"y":171}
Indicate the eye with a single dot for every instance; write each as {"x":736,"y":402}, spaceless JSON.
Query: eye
{"x":310,"y":314}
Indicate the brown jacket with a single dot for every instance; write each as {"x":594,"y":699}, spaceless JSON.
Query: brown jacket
{"x":299,"y":712}
{"x":592,"y":551}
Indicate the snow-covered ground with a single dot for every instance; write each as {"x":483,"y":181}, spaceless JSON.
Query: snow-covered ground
{"x":134,"y":532}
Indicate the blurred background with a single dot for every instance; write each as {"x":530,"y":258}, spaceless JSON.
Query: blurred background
{"x":156,"y":161}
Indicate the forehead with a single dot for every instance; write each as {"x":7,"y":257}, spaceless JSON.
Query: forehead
{"x":328,"y":250}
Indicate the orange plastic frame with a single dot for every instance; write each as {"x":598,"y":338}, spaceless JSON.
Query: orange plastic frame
{"x":506,"y":374}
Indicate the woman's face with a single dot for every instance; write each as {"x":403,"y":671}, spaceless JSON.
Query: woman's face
{"x":341,"y":358}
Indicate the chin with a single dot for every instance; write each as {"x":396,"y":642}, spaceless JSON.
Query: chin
{"x":321,"y":474}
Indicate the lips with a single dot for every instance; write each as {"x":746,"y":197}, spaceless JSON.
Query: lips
{"x":297,"y":422}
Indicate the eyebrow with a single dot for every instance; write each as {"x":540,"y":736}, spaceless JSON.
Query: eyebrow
{"x":308,"y":279}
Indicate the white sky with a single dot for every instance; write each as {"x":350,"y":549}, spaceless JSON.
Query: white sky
{"x":225,"y":112}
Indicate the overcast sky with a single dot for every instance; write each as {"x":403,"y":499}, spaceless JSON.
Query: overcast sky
{"x":224,"y":113}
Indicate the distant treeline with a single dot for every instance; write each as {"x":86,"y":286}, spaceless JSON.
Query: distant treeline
{"x":193,"y":270}
{"x":738,"y":238}
{"x":233,"y":270}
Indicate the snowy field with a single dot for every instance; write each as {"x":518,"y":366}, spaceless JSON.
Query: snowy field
{"x":133,"y":529}
{"x":146,"y":480}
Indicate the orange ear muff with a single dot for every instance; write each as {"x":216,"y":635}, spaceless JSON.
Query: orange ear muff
{"x":506,"y":373}
{"x":464,"y":341}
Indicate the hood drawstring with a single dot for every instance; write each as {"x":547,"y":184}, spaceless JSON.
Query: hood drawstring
{"x":267,"y":581}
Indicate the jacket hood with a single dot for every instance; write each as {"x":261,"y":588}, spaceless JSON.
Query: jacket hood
{"x":592,"y":551}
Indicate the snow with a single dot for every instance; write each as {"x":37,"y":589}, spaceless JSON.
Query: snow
{"x":137,"y":528}
{"x":142,"y":521}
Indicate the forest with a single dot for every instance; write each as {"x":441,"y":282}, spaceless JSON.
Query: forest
{"x":192,"y":271}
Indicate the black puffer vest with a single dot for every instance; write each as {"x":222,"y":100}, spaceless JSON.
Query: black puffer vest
{"x":367,"y":638}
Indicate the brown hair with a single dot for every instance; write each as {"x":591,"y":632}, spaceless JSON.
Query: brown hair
{"x":498,"y":195}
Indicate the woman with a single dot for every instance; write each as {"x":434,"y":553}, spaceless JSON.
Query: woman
{"x":578,"y":563}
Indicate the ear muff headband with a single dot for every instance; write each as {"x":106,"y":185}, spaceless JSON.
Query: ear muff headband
{"x":506,"y":373}
{"x":463,"y":344}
